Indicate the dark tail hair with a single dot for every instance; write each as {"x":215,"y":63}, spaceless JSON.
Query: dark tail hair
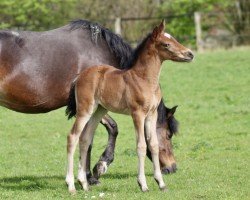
{"x":71,"y":104}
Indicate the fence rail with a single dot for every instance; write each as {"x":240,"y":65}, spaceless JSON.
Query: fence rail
{"x":209,"y":29}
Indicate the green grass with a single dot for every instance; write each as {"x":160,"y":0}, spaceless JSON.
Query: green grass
{"x":212,"y":148}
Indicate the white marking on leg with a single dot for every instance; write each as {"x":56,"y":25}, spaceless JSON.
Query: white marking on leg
{"x":80,"y":176}
{"x":86,"y":138}
{"x":141,"y":149}
{"x":73,"y":139}
{"x":154,"y":148}
{"x":104,"y":168}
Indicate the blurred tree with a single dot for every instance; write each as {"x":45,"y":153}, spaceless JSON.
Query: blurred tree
{"x":48,"y":14}
{"x":34,"y":14}
{"x":183,"y":27}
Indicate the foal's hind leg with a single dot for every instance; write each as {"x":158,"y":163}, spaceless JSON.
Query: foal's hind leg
{"x":81,"y":119}
{"x":85,"y":141}
{"x":150,"y":124}
{"x":107,"y":156}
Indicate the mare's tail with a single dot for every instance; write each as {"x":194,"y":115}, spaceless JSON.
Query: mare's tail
{"x":71,"y":104}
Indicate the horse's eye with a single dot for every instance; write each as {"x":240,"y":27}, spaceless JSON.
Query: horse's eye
{"x":165,"y":45}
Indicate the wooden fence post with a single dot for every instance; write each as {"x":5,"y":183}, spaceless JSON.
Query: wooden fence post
{"x":118,"y":27}
{"x":198,"y":31}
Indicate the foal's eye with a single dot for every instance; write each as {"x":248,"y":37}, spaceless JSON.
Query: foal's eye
{"x":165,"y":45}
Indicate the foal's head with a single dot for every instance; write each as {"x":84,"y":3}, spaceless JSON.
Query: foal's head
{"x":167,"y":126}
{"x":167,"y":47}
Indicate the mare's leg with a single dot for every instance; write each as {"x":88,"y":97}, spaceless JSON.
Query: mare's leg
{"x":138,"y":119}
{"x":107,"y":156}
{"x":150,"y":124}
{"x":85,"y":141}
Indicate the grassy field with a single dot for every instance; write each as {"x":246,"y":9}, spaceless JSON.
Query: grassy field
{"x":212,"y":148}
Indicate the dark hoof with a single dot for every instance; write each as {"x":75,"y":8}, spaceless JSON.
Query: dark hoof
{"x":93,"y":181}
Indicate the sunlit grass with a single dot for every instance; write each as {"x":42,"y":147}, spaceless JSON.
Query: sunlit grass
{"x":212,"y":148}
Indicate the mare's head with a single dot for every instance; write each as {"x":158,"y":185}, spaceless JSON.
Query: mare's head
{"x":167,"y":47}
{"x":167,"y":126}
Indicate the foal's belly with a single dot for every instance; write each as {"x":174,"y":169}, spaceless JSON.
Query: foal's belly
{"x":120,"y":110}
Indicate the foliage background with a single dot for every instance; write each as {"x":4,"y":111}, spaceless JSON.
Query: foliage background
{"x":48,"y":14}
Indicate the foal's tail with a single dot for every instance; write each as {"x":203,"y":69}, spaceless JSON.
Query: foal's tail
{"x":71,"y":104}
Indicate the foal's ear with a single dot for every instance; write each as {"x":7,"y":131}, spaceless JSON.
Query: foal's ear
{"x":155,"y":33}
{"x":162,"y":26}
{"x":172,"y":111}
{"x":158,"y":30}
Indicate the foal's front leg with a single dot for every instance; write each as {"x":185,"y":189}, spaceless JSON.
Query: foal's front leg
{"x":150,"y":125}
{"x":138,"y":119}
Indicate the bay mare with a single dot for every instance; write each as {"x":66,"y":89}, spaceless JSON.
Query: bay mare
{"x":134,"y":91}
{"x":38,"y":68}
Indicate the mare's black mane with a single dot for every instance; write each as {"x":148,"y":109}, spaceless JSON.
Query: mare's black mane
{"x":163,"y":112}
{"x":121,"y":49}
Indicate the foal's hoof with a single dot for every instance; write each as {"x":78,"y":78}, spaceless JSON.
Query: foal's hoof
{"x":84,"y":185}
{"x":164,"y":189}
{"x":143,"y":188}
{"x":71,"y":188}
{"x":93,"y":181}
{"x":72,"y":191}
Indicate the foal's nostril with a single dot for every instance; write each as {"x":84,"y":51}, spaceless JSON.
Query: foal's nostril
{"x":190,"y":54}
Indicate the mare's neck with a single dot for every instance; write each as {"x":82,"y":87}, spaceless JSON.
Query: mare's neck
{"x":148,"y":66}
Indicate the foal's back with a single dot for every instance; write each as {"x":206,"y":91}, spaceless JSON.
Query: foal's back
{"x":104,"y":85}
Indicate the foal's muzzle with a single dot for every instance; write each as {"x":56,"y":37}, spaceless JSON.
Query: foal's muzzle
{"x":169,"y":170}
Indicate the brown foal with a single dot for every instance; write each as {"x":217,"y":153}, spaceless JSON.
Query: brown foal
{"x":134,"y":92}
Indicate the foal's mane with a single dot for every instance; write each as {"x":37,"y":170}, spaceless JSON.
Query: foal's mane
{"x":136,"y":53}
{"x":121,"y":49}
{"x":163,"y":117}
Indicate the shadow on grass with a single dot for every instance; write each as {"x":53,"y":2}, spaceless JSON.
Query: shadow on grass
{"x":31,"y":183}
{"x":54,"y":182}
{"x":122,"y":175}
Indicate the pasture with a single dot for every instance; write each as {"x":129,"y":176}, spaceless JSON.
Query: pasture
{"x":212,"y":148}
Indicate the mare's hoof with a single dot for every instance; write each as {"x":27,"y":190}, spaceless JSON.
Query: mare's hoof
{"x":100,"y":168}
{"x":164,"y":189}
{"x":93,"y":181}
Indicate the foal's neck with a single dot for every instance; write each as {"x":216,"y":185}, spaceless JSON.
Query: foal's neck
{"x":148,"y":65}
